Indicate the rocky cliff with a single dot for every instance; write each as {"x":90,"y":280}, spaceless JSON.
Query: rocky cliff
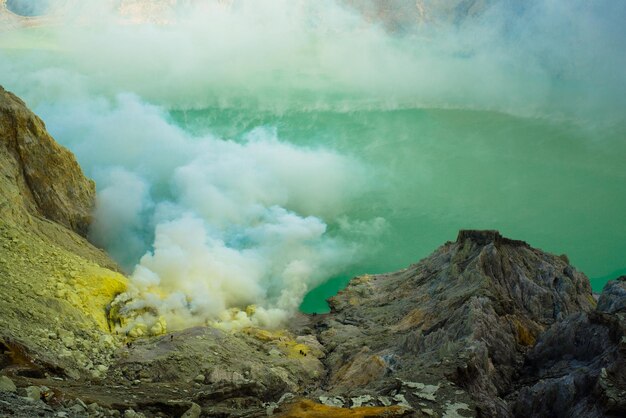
{"x":40,"y":176}
{"x":54,"y":284}
{"x":578,"y":366}
{"x":453,"y":331}
{"x":485,"y":326}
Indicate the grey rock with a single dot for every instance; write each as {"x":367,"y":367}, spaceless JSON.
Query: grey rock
{"x":451,"y":410}
{"x":193,"y":412}
{"x":613,"y":297}
{"x":7,"y":385}
{"x":361,"y":400}
{"x":12,"y":405}
{"x":384,"y":400}
{"x":401,"y":400}
{"x":466,"y":315}
{"x":77,"y":409}
{"x":130,"y":413}
{"x":33,"y":393}
{"x":423,"y":391}
{"x":577,"y":368}
{"x":337,"y":401}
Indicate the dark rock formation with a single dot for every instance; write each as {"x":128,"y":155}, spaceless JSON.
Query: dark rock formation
{"x":485,"y":326}
{"x":578,"y":367}
{"x":459,"y":323}
{"x":613,"y":297}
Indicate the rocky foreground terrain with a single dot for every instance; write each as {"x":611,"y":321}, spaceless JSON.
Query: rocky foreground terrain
{"x":485,"y":326}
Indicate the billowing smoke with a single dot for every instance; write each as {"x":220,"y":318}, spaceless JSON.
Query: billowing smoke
{"x":228,"y":224}
{"x":236,"y":230}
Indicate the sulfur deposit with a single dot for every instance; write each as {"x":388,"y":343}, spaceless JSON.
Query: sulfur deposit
{"x":55,"y":285}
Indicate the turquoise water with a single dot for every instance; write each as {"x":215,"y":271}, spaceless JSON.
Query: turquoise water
{"x":556,"y":185}
{"x":512,"y":119}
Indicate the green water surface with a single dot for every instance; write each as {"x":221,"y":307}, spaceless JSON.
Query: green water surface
{"x":560,"y":186}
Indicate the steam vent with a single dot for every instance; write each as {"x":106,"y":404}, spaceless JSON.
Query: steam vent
{"x":310,"y":209}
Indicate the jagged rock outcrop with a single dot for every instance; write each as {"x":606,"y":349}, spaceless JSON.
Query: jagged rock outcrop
{"x":613,"y":297}
{"x":39,"y":174}
{"x":43,"y":191}
{"x":453,"y":329}
{"x":578,"y":366}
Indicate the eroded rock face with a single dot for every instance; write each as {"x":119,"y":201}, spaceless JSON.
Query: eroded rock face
{"x":613,"y":297}
{"x":54,"y":285}
{"x":578,"y":367}
{"x":458,"y":323}
{"x":38,"y":173}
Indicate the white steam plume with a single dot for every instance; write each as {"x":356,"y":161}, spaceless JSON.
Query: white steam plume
{"x":214,"y":224}
{"x":235,"y":223}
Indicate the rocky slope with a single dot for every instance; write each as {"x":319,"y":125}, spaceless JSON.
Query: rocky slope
{"x":485,"y":326}
{"x":39,"y":177}
{"x":55,"y":284}
{"x":453,"y":329}
{"x":56,"y":347}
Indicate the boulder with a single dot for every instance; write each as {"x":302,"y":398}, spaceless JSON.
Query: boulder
{"x":7,"y":385}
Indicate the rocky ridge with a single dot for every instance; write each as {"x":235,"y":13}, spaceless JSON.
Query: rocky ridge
{"x":485,"y":326}
{"x":462,"y":320}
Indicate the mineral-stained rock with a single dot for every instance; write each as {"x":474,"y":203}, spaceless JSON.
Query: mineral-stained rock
{"x":49,"y":180}
{"x":55,"y":286}
{"x":305,"y":408}
{"x":42,"y":188}
{"x":33,"y":393}
{"x":461,"y":320}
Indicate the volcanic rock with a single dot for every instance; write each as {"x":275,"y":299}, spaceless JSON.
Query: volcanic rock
{"x":7,"y":385}
{"x":459,"y":323}
{"x":193,"y":412}
{"x":54,"y":282}
{"x":613,"y":297}
{"x":578,"y":366}
{"x":44,"y":177}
